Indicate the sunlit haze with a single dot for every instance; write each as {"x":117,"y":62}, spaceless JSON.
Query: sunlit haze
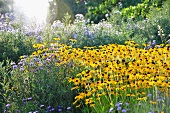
{"x":33,"y":9}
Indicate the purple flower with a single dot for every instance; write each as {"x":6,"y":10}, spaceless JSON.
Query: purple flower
{"x":21,"y":68}
{"x":124,"y":111}
{"x":14,"y":66}
{"x":119,"y":108}
{"x":30,"y":98}
{"x":59,"y":110}
{"x":149,"y":95}
{"x":118,"y":104}
{"x":153,"y":43}
{"x":52,"y":109}
{"x":31,"y":63}
{"x":24,"y":103}
{"x":36,"y":59}
{"x":23,"y":100}
{"x":39,"y":39}
{"x":7,"y":105}
{"x":4,"y":111}
{"x":35,"y":112}
{"x":49,"y":107}
{"x":20,"y":63}
{"x":159,"y":99}
{"x":40,"y":68}
{"x":150,"y":112}
{"x":68,"y":108}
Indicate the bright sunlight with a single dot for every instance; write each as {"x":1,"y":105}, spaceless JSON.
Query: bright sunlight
{"x":33,"y":9}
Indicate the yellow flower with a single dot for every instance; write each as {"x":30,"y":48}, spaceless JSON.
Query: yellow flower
{"x":144,"y":98}
{"x":78,"y":106}
{"x":76,"y":87}
{"x":56,"y":38}
{"x":76,"y":81}
{"x":35,"y":46}
{"x":153,"y":102}
{"x":143,"y":93}
{"x":88,"y":94}
{"x":88,"y":101}
{"x":21,"y":57}
{"x":73,"y":40}
{"x":91,"y":105}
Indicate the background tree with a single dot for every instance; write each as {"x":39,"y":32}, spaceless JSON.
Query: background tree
{"x":6,"y":6}
{"x":58,"y":8}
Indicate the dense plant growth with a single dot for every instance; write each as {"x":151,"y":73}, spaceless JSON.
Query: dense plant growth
{"x":119,"y":65}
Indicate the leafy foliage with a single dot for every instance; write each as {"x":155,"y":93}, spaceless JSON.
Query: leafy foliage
{"x":12,"y":46}
{"x":141,"y":10}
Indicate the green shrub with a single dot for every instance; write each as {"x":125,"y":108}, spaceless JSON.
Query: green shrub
{"x":16,"y":39}
{"x":5,"y":69}
{"x":156,"y":27}
{"x":12,"y":46}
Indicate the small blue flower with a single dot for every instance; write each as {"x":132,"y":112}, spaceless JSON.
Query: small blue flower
{"x":52,"y":109}
{"x":7,"y":105}
{"x":159,"y":99}
{"x":49,"y":107}
{"x":118,"y":104}
{"x":68,"y":108}
{"x":23,"y":100}
{"x":30,"y":98}
{"x":119,"y":108}
{"x":59,"y":109}
{"x":21,"y":68}
{"x":14,"y":66}
{"x":124,"y":111}
{"x":24,"y":103}
{"x":149,"y":95}
{"x":20,"y":63}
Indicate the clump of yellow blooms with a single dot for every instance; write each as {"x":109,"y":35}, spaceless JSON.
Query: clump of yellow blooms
{"x":113,"y":69}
